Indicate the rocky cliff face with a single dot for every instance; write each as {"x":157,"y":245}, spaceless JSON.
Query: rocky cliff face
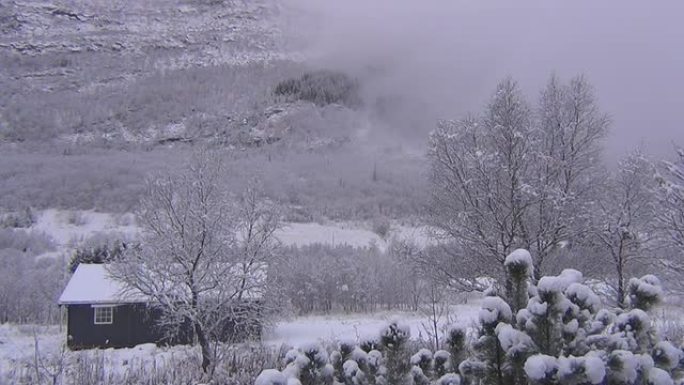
{"x":57,"y":55}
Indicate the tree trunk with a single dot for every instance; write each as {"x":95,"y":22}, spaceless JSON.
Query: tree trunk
{"x":621,"y":276}
{"x":621,"y":287}
{"x":204,"y":345}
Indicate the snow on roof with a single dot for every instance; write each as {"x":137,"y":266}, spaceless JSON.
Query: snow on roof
{"x":92,"y":284}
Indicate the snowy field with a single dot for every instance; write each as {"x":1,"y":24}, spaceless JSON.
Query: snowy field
{"x":360,"y":327}
{"x":18,"y":343}
{"x":68,"y":229}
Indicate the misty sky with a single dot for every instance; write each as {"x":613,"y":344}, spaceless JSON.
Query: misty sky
{"x":447,"y":55}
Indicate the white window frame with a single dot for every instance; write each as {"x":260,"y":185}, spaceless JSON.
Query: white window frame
{"x":104,"y":319}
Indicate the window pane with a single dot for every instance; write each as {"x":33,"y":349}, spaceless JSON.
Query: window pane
{"x":104,"y":315}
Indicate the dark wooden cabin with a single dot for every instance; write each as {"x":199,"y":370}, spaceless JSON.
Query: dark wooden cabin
{"x":101,"y":314}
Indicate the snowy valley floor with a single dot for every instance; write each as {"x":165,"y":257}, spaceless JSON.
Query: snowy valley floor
{"x":19,"y":343}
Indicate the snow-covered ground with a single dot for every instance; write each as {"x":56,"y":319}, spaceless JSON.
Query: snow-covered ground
{"x":360,"y":327}
{"x":70,"y":228}
{"x":23,"y":346}
{"x":18,"y":342}
{"x":301,"y":234}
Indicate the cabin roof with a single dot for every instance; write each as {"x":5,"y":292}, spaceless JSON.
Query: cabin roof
{"x":92,"y":284}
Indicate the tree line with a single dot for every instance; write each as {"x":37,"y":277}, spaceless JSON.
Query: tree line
{"x":519,"y":175}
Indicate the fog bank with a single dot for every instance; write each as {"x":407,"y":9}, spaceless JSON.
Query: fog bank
{"x":443,"y":57}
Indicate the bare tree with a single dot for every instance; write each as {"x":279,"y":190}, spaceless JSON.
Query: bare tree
{"x":515,"y":179}
{"x":190,"y":264}
{"x":671,"y":181}
{"x":567,"y":165}
{"x":478,"y":177}
{"x":625,"y":221}
{"x":670,"y":219}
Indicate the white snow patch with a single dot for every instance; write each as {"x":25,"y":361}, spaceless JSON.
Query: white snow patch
{"x":302,"y":234}
{"x":68,"y":227}
{"x":92,"y":284}
{"x":271,"y":377}
{"x":538,"y":366}
{"x":520,"y":257}
{"x":560,"y":283}
{"x":658,"y":376}
{"x":494,"y":309}
{"x":354,"y":328}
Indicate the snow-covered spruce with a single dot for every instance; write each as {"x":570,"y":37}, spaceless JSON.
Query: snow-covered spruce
{"x":645,"y":292}
{"x":489,"y":363}
{"x":449,"y":379}
{"x":666,"y":356}
{"x":271,"y":377}
{"x":493,"y":311}
{"x":393,"y":339}
{"x":562,"y":336}
{"x":456,"y":343}
{"x":441,"y":363}
{"x":519,"y":269}
{"x":581,"y":370}
{"x":309,"y":365}
{"x":541,"y":369}
{"x":422,"y":359}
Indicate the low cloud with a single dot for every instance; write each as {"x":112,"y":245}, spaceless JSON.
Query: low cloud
{"x":444,"y":57}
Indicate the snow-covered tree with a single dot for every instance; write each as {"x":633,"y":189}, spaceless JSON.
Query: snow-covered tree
{"x":456,"y":343}
{"x":626,"y":216}
{"x":309,"y":365}
{"x":519,"y":269}
{"x":514,"y":178}
{"x":393,"y":339}
{"x":479,"y":171}
{"x":563,"y":336}
{"x":189,"y":264}
{"x":566,"y":164}
{"x":671,"y":182}
{"x":488,"y":363}
{"x":670,"y":221}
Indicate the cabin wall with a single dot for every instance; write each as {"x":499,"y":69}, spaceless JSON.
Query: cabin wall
{"x":133,"y":324}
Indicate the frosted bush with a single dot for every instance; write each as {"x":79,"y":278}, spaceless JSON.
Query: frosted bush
{"x":271,"y":377}
{"x":422,"y":359}
{"x":622,"y":367}
{"x":375,"y":359}
{"x":493,"y":311}
{"x":644,"y":293}
{"x":562,"y":336}
{"x":513,"y":341}
{"x":658,"y":376}
{"x":541,"y":368}
{"x":519,"y":262}
{"x":359,"y":356}
{"x":418,"y":376}
{"x":580,"y":370}
{"x":441,"y":362}
{"x":560,"y":283}
{"x":582,"y":296}
{"x":666,"y":356}
{"x":350,"y":369}
{"x":449,"y":379}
